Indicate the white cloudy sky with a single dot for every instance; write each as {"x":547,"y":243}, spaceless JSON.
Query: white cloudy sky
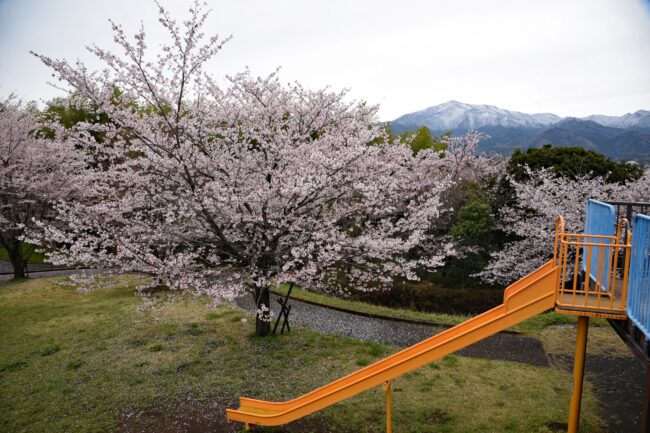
{"x":574,"y":57}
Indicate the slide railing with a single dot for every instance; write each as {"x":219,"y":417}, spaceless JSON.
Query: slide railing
{"x":601,"y":288}
{"x":638,"y":303}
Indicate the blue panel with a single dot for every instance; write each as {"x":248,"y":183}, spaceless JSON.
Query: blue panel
{"x":638,"y":294}
{"x":600,"y":220}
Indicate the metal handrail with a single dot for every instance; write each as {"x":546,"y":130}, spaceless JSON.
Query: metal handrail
{"x":596,"y":287}
{"x":628,"y":203}
{"x":593,"y":244}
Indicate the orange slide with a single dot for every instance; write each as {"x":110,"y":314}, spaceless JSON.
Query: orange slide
{"x":522,"y":300}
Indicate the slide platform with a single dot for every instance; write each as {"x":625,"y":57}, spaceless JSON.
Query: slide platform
{"x":532,"y":295}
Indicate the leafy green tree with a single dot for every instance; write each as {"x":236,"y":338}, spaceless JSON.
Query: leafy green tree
{"x":388,"y":135}
{"x":475,"y":223}
{"x":423,"y":139}
{"x":571,"y":163}
{"x":69,"y":112}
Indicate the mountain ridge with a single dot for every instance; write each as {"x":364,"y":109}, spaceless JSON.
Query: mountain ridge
{"x":620,"y":137}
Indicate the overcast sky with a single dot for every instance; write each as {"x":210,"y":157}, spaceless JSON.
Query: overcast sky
{"x":568,"y":57}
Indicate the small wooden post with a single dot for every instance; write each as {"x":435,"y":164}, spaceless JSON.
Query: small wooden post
{"x":284,"y":312}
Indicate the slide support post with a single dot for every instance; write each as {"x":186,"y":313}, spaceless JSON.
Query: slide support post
{"x":389,"y":407}
{"x":578,"y":373}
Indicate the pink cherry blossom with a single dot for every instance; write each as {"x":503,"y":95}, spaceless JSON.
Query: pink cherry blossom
{"x":35,"y":173}
{"x":200,"y":181}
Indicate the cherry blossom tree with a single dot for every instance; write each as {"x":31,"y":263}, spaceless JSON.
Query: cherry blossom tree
{"x":532,"y":220}
{"x":220,"y":189}
{"x":34,"y":174}
{"x":473,"y":175}
{"x":463,"y":160}
{"x":637,"y":191}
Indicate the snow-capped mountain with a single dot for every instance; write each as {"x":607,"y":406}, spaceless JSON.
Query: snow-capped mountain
{"x":622,"y":137}
{"x":457,"y":115}
{"x":637,"y":120}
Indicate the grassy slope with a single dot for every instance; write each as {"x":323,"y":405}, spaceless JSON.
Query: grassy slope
{"x":363,"y":307}
{"x":530,"y":326}
{"x":75,"y":362}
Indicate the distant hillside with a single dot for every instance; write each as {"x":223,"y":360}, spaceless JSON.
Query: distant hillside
{"x":639,"y":120}
{"x":625,"y":137}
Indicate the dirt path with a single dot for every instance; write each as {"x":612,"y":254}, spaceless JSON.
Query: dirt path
{"x":204,"y":416}
{"x":618,"y":383}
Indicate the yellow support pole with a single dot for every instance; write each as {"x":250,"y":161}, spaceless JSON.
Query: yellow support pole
{"x":578,"y":373}
{"x":389,"y":408}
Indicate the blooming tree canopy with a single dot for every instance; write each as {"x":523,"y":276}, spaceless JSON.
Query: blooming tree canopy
{"x":34,"y":174}
{"x":637,"y":191}
{"x":540,"y":200}
{"x":214,"y":188}
{"x":463,"y":160}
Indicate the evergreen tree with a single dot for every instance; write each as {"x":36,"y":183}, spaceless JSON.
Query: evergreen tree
{"x":571,"y":163}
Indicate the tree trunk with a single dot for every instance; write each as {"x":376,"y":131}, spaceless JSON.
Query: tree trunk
{"x":16,"y":257}
{"x":263,"y":316}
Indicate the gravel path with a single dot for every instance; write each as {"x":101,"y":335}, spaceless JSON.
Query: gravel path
{"x":503,"y":347}
{"x":5,"y":267}
{"x":49,"y":272}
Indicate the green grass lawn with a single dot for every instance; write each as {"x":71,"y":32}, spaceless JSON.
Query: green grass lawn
{"x":72,"y":362}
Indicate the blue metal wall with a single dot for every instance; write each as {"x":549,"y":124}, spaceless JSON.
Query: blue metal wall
{"x":638,"y":296}
{"x":600,"y":219}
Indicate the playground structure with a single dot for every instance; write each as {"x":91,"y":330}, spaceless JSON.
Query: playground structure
{"x":603,"y":272}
